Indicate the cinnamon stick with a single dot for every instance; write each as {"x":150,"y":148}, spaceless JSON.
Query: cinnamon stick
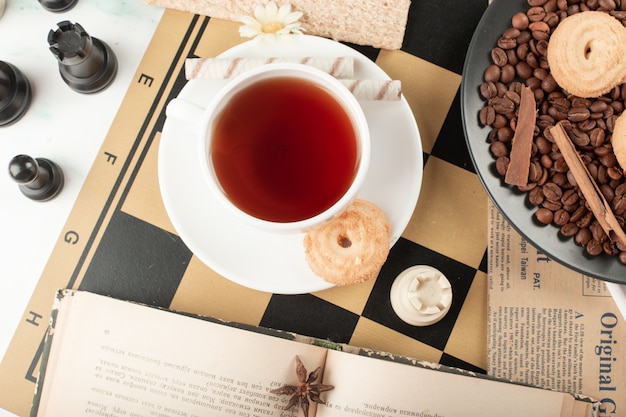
{"x":595,"y":199}
{"x":521,"y":148}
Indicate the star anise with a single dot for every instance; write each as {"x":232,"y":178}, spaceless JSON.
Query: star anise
{"x":305,"y":391}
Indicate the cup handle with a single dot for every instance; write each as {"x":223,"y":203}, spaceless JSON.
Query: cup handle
{"x":184,"y":110}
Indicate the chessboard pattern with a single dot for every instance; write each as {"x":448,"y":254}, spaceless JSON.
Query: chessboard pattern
{"x":118,"y":240}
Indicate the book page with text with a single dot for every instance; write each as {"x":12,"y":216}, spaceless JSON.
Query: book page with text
{"x":113,"y":358}
{"x":379,"y":388}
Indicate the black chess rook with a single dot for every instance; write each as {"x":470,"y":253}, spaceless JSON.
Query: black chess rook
{"x":15,"y":93}
{"x":38,"y":178}
{"x":57,"y":6}
{"x":87,"y":65}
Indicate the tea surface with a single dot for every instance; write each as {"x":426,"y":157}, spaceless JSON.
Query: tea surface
{"x":284,"y":149}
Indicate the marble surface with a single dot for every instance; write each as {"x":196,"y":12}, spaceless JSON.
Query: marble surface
{"x":61,"y":125}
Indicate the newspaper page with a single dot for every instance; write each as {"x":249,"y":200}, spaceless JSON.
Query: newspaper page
{"x":552,"y":327}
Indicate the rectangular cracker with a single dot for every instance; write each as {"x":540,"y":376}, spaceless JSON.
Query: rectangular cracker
{"x":379,"y":23}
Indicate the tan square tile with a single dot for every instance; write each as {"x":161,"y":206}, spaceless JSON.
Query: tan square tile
{"x":450,"y":216}
{"x":351,"y":297}
{"x":428,"y":88}
{"x":468,"y":340}
{"x":203,"y":291}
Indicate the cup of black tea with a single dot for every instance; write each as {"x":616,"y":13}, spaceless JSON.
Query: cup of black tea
{"x":285,"y":147}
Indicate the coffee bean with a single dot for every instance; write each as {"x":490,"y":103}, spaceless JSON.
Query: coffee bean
{"x":552,"y":205}
{"x":520,"y":21}
{"x":609,"y":248}
{"x":583,"y":236}
{"x":501,"y":121}
{"x":543,"y":146}
{"x":521,"y":52}
{"x":532,"y":60}
{"x":488,"y":90}
{"x":597,"y":233}
{"x":594,"y":248}
{"x":552,"y":19}
{"x":603,"y":176}
{"x":511,"y":33}
{"x":549,"y":84}
{"x":513,"y":96}
{"x":619,"y":205}
{"x":569,"y":197}
{"x":507,"y":43}
{"x":535,"y":196}
{"x":587,"y":125}
{"x":505,"y":134}
{"x":578,"y":214}
{"x":580,"y":102}
{"x":569,"y":229}
{"x":540,"y":30}
{"x":492,"y":73}
{"x":608,"y":160}
{"x":615,"y":173}
{"x":598,"y":106}
{"x":487,"y":116}
{"x":508,"y":73}
{"x":535,"y":172}
{"x":560,"y":165}
{"x":503,"y":105}
{"x":550,"y":6}
{"x":499,"y":57}
{"x":585,"y":221}
{"x":578,"y":114}
{"x":607,"y":191}
{"x":607,"y":4}
{"x":536,"y":14}
{"x":502,"y":164}
{"x":578,"y":137}
{"x":499,"y":149}
{"x":523,"y":69}
{"x":561,"y":217}
{"x":544,"y":215}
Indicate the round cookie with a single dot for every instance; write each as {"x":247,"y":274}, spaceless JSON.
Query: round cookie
{"x":352,"y":247}
{"x":587,"y":53}
{"x":618,"y":140}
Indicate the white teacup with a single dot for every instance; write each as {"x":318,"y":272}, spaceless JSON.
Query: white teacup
{"x":284,"y":147}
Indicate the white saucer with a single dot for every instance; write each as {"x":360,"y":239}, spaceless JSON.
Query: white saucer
{"x":275,"y":262}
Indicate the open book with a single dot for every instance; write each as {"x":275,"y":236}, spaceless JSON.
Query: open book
{"x":106,"y":357}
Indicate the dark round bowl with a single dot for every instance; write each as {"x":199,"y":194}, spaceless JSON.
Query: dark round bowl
{"x":512,"y":203}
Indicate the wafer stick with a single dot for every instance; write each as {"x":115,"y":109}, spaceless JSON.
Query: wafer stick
{"x":216,"y":68}
{"x":595,"y":199}
{"x":364,"y":90}
{"x":374,"y":90}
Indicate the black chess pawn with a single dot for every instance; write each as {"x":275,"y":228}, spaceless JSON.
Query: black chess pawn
{"x":39,"y":179}
{"x":86,"y":63}
{"x":57,"y":5}
{"x":15,"y":93}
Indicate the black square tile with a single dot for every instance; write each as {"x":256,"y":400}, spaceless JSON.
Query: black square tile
{"x":309,"y":315}
{"x":406,"y":254}
{"x":450,"y":144}
{"x":137,"y":261}
{"x":441,"y":34}
{"x":454,"y":362}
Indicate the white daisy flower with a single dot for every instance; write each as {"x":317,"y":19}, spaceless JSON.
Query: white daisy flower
{"x":271,"y":20}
